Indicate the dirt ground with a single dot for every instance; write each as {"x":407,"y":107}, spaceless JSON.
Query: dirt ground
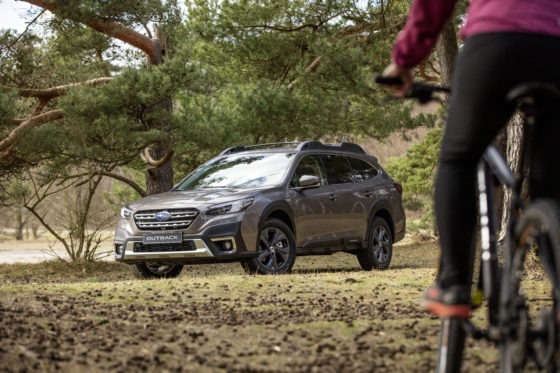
{"x":327,"y":316}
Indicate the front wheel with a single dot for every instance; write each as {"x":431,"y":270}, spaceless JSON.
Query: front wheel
{"x":276,"y":249}
{"x":149,"y":270}
{"x":538,"y":227}
{"x":380,"y":246}
{"x":451,"y":345}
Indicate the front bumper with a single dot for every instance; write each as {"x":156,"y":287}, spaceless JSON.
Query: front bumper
{"x":207,"y":247}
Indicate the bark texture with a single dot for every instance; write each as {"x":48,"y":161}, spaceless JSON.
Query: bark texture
{"x":447,"y":49}
{"x":513,"y":153}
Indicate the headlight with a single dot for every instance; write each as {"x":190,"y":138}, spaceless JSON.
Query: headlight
{"x":230,"y":207}
{"x":126,"y":212}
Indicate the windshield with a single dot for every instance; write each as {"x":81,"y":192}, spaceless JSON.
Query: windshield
{"x":239,"y":171}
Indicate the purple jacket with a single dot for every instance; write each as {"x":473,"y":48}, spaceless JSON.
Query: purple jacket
{"x":428,"y":17}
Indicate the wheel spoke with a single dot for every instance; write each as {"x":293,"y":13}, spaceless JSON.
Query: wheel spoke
{"x":271,"y":265}
{"x":283,"y":253}
{"x":281,"y":237}
{"x":275,"y":236}
{"x":379,"y":254}
{"x":263,"y":255}
{"x":264,"y":237}
{"x":159,"y":268}
{"x":381,"y":235}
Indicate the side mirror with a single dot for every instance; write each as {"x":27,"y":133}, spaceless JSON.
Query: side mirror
{"x":308,"y":182}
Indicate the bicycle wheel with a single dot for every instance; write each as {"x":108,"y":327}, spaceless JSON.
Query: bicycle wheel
{"x":538,"y":227}
{"x":451,"y":345}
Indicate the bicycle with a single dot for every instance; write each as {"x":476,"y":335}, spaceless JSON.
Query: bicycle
{"x":536,"y":224}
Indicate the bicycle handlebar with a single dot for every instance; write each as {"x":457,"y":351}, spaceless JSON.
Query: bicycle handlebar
{"x":420,"y":91}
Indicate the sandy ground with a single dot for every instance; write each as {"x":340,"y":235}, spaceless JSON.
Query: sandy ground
{"x":35,"y":251}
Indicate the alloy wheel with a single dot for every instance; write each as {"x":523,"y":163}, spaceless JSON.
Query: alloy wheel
{"x":274,"y":249}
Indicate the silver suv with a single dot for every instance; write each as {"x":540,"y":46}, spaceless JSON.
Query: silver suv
{"x":262,"y":205}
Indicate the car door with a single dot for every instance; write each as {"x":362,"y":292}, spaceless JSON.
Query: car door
{"x":351,"y":209}
{"x":367,"y":188}
{"x":316,"y":211}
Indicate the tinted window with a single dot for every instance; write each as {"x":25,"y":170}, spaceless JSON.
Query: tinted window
{"x":338,"y":169}
{"x":309,"y":165}
{"x":240,"y":171}
{"x":361,"y":170}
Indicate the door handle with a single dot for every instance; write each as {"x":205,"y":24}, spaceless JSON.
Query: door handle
{"x":333,"y":197}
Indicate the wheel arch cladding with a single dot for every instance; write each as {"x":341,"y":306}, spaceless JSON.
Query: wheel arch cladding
{"x":284,"y":217}
{"x":381,"y":209}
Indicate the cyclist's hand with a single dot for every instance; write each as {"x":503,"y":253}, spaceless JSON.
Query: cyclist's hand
{"x":404,"y":73}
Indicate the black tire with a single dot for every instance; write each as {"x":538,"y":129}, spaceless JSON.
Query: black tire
{"x":379,"y":252}
{"x":538,"y":225}
{"x":149,"y":270}
{"x":451,"y":345}
{"x":276,"y":248}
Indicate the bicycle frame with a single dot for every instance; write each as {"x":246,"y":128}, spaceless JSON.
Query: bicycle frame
{"x":492,"y":164}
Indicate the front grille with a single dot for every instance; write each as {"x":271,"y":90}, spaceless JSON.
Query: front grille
{"x":178,"y":219}
{"x":185,"y":246}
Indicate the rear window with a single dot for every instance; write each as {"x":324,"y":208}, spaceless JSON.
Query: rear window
{"x":338,"y":169}
{"x":362,"y":170}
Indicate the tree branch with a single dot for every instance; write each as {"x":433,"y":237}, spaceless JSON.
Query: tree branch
{"x":35,"y":121}
{"x":112,"y":175}
{"x":50,"y":93}
{"x":27,"y":28}
{"x":125,"y":180}
{"x":113,"y":29}
{"x":284,"y":28}
{"x":311,"y":68}
{"x":149,"y":160}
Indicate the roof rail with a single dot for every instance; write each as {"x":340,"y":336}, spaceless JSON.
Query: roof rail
{"x":301,"y":146}
{"x":344,"y":146}
{"x":235,"y":149}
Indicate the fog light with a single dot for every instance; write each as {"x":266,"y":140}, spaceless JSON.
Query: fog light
{"x":119,"y":249}
{"x":225,"y":244}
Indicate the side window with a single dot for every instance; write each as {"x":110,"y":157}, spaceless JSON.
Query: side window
{"x":361,"y":170}
{"x":308,"y":165}
{"x":338,"y":169}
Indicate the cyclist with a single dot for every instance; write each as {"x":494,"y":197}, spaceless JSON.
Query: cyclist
{"x":507,"y":42}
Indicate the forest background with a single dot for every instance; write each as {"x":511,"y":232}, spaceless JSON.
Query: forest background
{"x":103,"y":102}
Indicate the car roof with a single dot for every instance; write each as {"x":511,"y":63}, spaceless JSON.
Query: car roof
{"x":347,"y":147}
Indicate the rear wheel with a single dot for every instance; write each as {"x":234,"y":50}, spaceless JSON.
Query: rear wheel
{"x":380,"y":246}
{"x":276,"y":249}
{"x":150,"y":270}
{"x":538,"y":226}
{"x":451,"y":345}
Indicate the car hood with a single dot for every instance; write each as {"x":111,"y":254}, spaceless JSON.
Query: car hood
{"x":191,"y":198}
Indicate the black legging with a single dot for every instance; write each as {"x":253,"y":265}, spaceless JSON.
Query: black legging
{"x":488,"y":66}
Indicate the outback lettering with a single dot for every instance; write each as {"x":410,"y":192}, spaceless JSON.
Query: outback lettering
{"x":162,"y":238}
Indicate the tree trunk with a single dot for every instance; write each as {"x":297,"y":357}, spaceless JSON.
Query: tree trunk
{"x":513,"y":152}
{"x":19,"y":224}
{"x":35,"y":230}
{"x":159,"y":179}
{"x":447,"y":49}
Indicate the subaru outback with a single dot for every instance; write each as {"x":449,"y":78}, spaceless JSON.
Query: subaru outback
{"x":262,"y":206}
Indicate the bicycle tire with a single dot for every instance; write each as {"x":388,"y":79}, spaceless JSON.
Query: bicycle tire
{"x":539,"y":224}
{"x":451,"y":345}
